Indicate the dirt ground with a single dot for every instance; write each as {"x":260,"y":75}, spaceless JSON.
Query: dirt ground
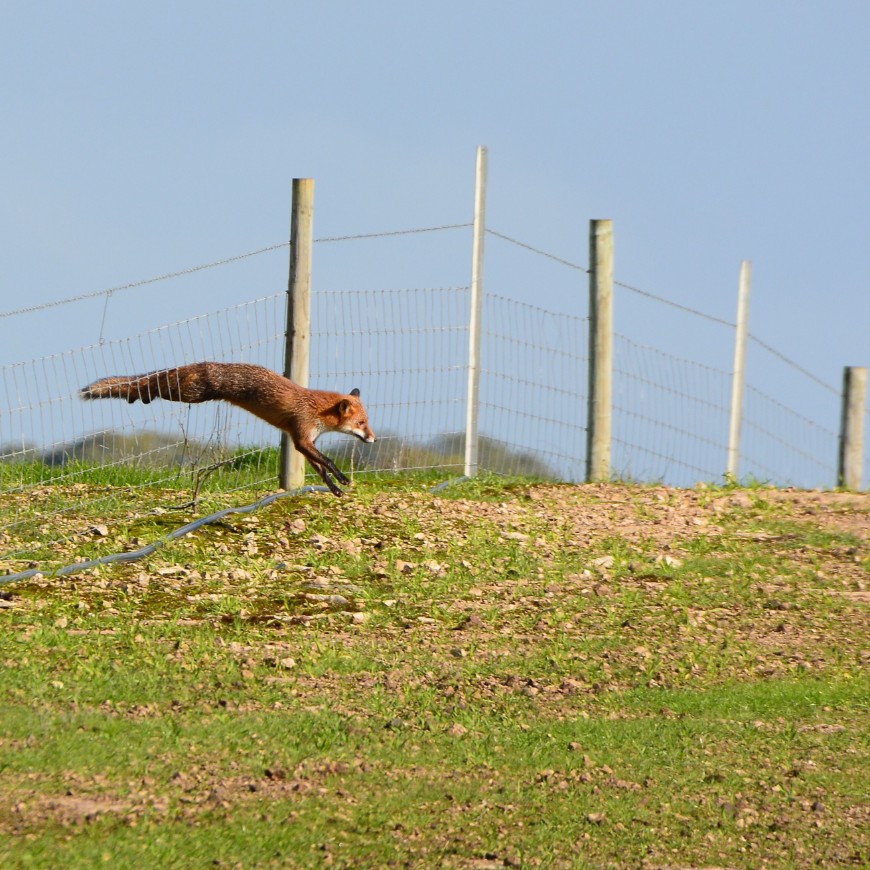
{"x":653,"y":523}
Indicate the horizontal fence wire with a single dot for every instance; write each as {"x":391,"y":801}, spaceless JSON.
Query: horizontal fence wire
{"x":784,"y":447}
{"x":225,"y":261}
{"x":796,"y":367}
{"x":56,"y":448}
{"x":135,"y":285}
{"x":685,"y":436}
{"x":670,"y":416}
{"x":533,"y":391}
{"x":541,"y":253}
{"x":782,"y":444}
{"x":391,"y":233}
{"x":405,"y":350}
{"x":675,"y":305}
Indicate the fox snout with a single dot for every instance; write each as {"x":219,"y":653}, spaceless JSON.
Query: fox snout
{"x":364,"y":433}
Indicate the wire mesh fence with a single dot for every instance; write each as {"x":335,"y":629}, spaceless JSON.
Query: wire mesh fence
{"x":407,"y":351}
{"x":533,"y":390}
{"x":782,"y":443}
{"x":670,"y":416}
{"x":64,"y":458}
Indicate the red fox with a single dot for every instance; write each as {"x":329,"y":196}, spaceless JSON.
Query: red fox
{"x":304,"y":414}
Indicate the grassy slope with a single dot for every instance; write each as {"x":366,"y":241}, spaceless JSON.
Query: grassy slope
{"x":496,"y":675}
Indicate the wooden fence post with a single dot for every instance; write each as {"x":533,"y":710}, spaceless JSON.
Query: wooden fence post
{"x":473,"y":401}
{"x":298,"y":336}
{"x":851,"y":460}
{"x":738,"y":376}
{"x":600,"y":407}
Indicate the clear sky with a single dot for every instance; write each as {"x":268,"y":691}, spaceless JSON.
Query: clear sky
{"x":139,"y":138}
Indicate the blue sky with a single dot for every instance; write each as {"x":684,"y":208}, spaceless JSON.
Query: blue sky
{"x":140,"y":138}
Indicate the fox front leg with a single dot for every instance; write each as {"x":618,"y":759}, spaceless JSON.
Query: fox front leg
{"x":323,"y":465}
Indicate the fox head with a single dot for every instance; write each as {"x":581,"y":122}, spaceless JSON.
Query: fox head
{"x":353,"y":418}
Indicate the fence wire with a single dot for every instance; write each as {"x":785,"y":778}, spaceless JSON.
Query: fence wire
{"x":670,"y":416}
{"x":533,"y":391}
{"x":783,"y":446}
{"x":784,"y":440}
{"x":58,"y":452}
{"x":407,"y":351}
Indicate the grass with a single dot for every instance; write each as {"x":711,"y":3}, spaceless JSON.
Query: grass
{"x":52,"y":516}
{"x":502,"y":674}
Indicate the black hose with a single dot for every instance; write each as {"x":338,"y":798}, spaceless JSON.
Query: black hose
{"x":151,"y":548}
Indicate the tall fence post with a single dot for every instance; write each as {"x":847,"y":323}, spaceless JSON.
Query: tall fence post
{"x":298,"y":336}
{"x":600,"y":407}
{"x":851,"y":460}
{"x":738,"y":376}
{"x":479,"y":233}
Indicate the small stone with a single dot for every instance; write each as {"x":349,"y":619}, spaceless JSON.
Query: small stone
{"x":472,"y":621}
{"x":331,"y":600}
{"x":570,"y":686}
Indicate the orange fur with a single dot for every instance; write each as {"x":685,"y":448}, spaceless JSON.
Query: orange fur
{"x":304,"y":414}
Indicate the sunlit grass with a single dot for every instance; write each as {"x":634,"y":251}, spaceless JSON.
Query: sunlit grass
{"x":493,"y":673}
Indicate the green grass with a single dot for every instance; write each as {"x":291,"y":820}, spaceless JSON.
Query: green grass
{"x":49,"y":516}
{"x":502,"y":674}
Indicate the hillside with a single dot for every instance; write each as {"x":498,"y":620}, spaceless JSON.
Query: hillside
{"x":493,"y":675}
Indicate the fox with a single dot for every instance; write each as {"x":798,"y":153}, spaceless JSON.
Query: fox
{"x":302,"y":413}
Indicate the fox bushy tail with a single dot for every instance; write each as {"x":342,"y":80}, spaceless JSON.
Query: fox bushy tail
{"x":198,"y":382}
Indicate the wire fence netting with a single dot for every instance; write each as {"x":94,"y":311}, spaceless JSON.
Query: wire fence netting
{"x":65,"y":462}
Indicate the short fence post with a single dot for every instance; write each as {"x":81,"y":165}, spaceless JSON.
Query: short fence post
{"x":298,"y":336}
{"x":600,"y":407}
{"x":851,"y":459}
{"x":738,"y":376}
{"x":473,"y":401}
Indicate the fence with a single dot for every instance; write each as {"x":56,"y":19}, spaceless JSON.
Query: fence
{"x":408,"y":351}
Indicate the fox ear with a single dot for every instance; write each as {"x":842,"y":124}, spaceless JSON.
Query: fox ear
{"x":355,"y":392}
